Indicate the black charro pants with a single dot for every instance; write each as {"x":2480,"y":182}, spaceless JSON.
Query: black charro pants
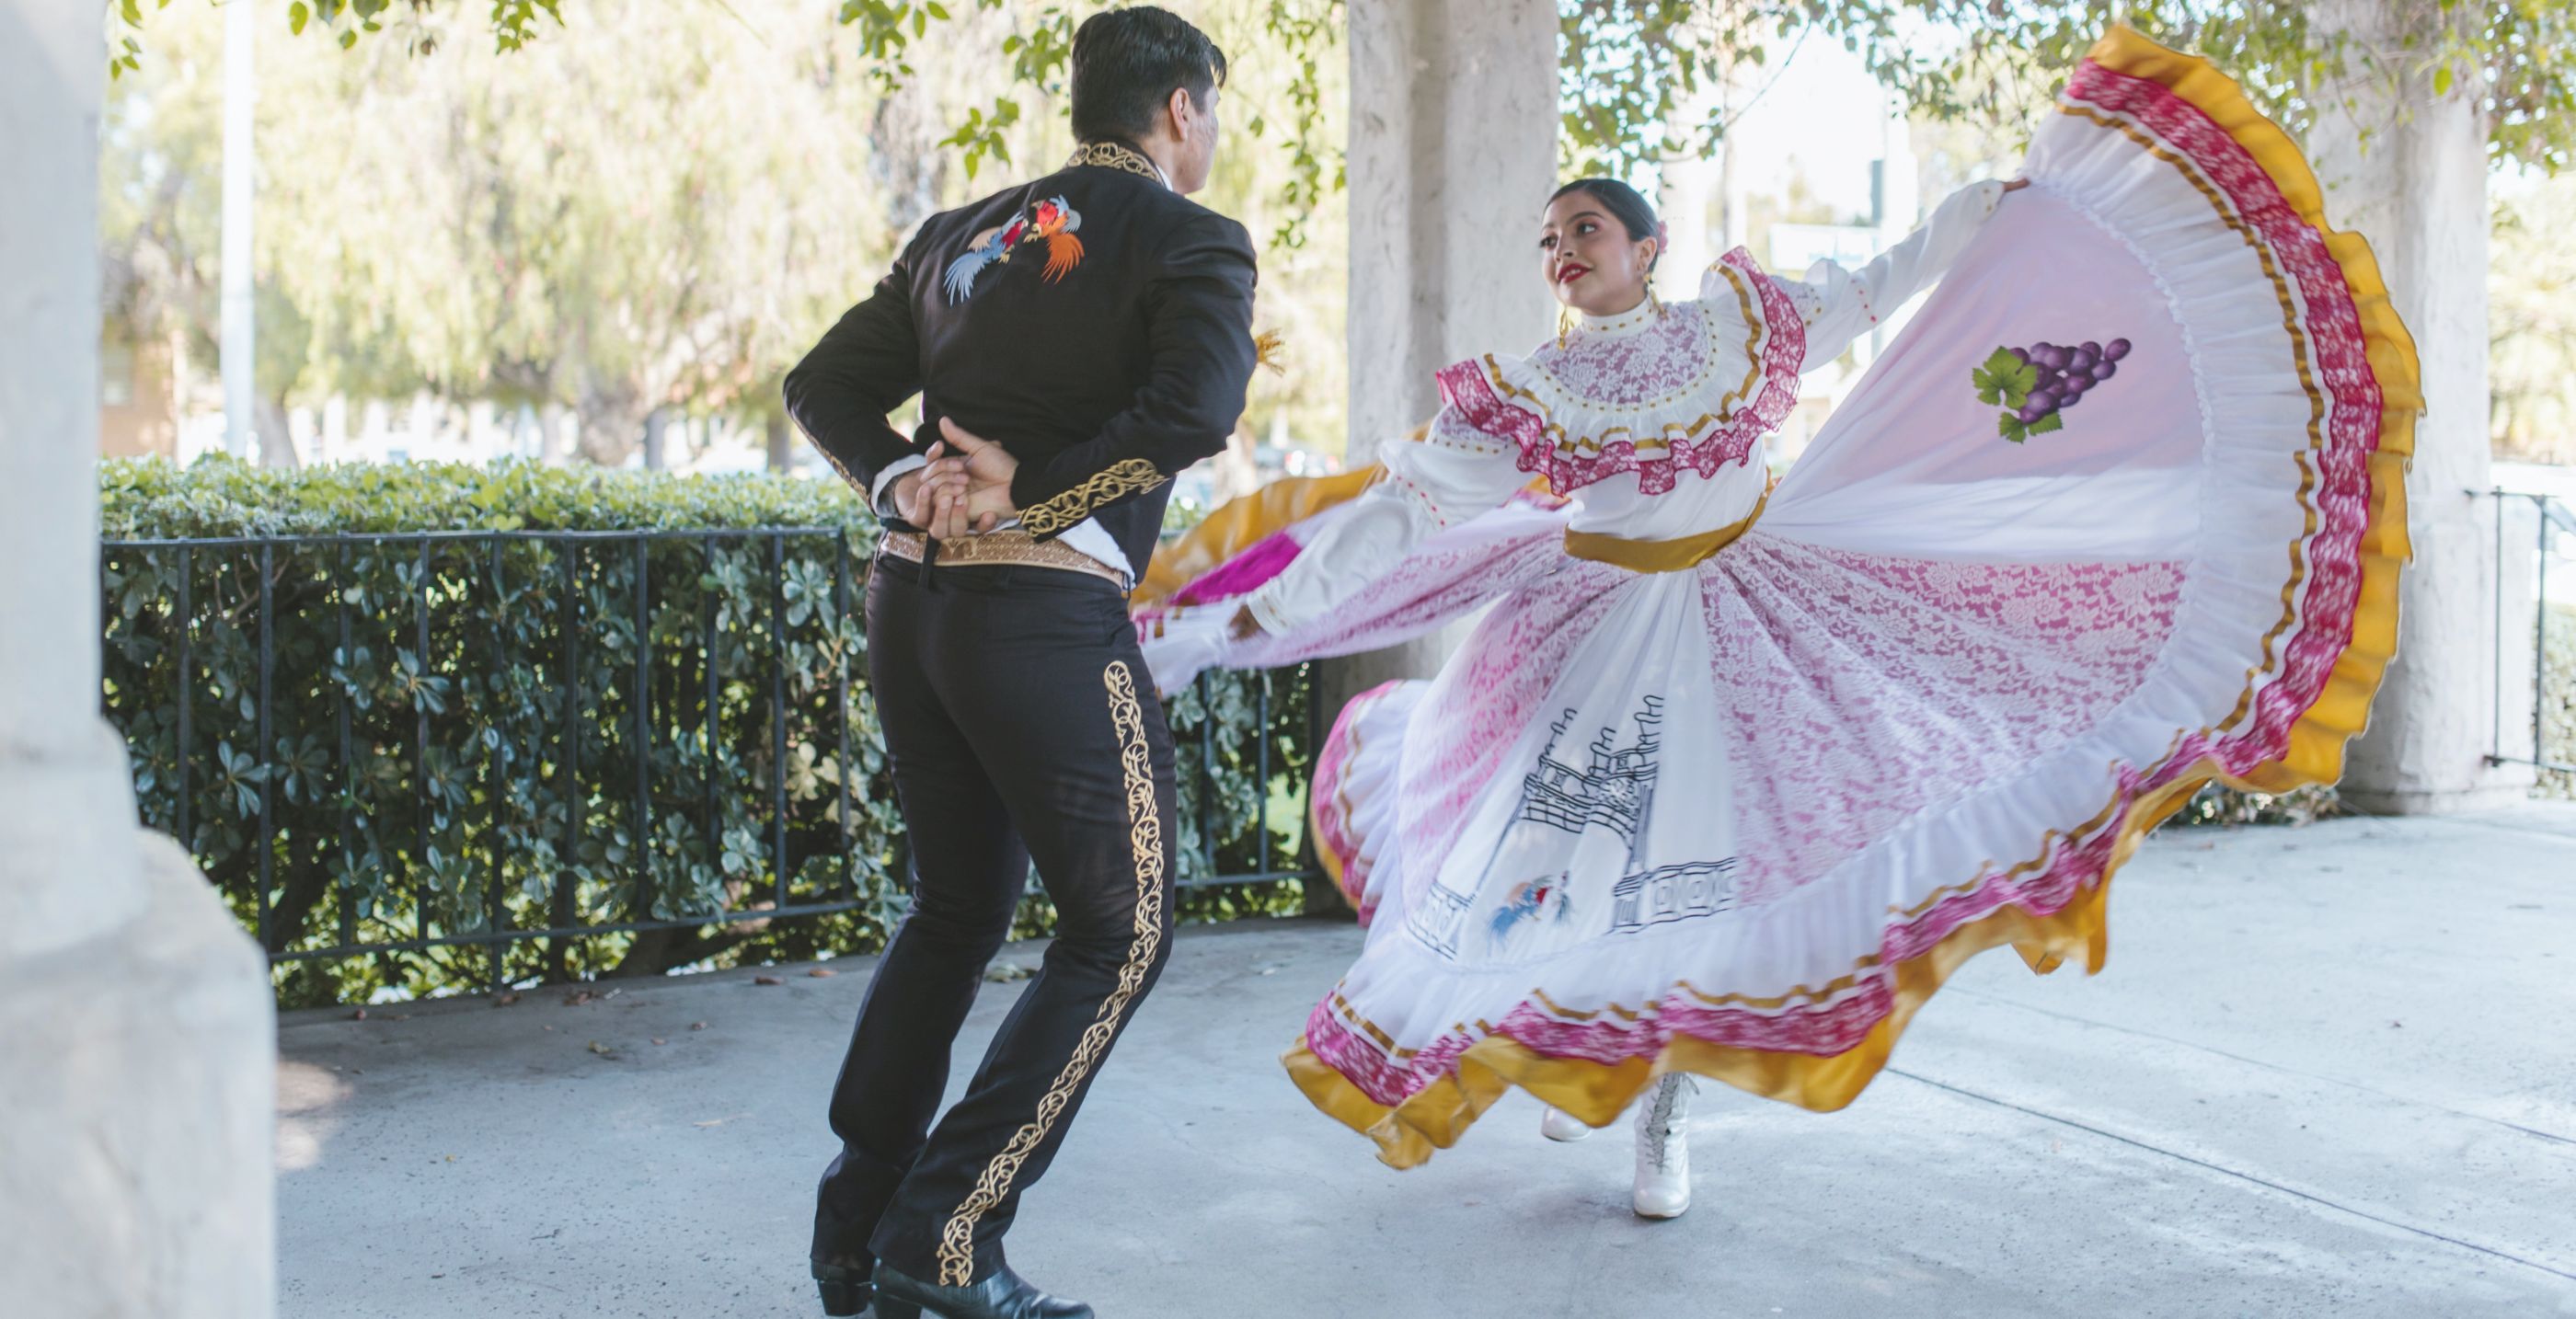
{"x":1022,"y":725}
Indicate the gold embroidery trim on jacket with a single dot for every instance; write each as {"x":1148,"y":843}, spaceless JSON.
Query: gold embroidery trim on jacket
{"x":1114,"y":155}
{"x":1120,"y":479}
{"x":1145,"y":844}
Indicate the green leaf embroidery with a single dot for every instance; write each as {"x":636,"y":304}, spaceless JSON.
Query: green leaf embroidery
{"x":2003,"y":378}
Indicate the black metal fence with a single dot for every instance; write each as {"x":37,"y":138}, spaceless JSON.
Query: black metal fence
{"x":562,"y":752}
{"x":2551,"y":695}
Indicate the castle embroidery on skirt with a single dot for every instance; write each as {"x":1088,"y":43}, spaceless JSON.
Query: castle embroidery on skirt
{"x":1613,"y":790}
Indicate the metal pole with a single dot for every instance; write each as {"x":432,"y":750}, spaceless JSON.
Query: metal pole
{"x":643,"y":702}
{"x":496,"y":789}
{"x":778,"y":709}
{"x":420,"y":749}
{"x":267,"y":744}
{"x":1261,"y":779}
{"x":2495,"y":680}
{"x":2539,"y":618}
{"x":1310,"y":682}
{"x":568,"y":785}
{"x":1207,"y":770}
{"x":239,"y":350}
{"x":348,"y":764}
{"x":713,"y":813}
{"x":841,"y":700}
{"x":187,"y":698}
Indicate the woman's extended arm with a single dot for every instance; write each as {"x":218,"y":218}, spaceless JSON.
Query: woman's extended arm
{"x":1842,"y":305}
{"x":1451,"y":474}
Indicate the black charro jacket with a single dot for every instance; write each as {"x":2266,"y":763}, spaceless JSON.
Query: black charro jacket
{"x":1094,"y":323}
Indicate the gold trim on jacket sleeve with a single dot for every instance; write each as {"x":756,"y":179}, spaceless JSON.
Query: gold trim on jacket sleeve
{"x":1120,"y":479}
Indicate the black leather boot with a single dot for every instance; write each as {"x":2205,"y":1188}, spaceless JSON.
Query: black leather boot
{"x":844,"y":1268}
{"x":1005,"y":1295}
{"x":847,"y":1288}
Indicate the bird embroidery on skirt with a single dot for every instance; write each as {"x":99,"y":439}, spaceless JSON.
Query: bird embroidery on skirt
{"x":1052,"y":221}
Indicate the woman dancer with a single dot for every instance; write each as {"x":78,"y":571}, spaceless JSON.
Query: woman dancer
{"x":1727,"y":782}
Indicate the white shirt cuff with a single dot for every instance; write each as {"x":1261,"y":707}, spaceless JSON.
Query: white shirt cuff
{"x":885,"y":482}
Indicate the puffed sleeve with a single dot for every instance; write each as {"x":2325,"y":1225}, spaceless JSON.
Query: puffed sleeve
{"x":1841,"y":305}
{"x":1454,"y":472}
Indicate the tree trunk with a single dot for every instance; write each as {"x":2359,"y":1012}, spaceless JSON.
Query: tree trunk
{"x":550,"y":434}
{"x":612,"y":423}
{"x":276,"y":437}
{"x":657,"y":433}
{"x":780,"y":440}
{"x":1236,"y":471}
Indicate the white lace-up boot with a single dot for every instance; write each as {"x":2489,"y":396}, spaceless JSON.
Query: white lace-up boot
{"x":1663,"y":1149}
{"x":1557,"y":1124}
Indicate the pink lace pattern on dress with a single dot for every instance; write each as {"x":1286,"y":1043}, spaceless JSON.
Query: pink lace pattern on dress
{"x":1834,"y":1025}
{"x":1628,"y":369}
{"x":1431,"y":586}
{"x":1868,"y":688}
{"x":1333,"y":833}
{"x":1487,"y":696}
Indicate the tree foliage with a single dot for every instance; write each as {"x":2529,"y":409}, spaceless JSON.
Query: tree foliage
{"x":659,"y":208}
{"x":1635,"y":71}
{"x":2531,"y":322}
{"x":1632,"y":68}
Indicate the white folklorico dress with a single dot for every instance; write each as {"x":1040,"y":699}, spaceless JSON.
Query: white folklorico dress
{"x":1729,"y":784}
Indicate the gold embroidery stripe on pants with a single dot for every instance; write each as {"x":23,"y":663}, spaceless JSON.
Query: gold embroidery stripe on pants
{"x":1145,"y":844}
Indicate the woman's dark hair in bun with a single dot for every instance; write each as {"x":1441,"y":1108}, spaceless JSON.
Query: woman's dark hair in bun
{"x":1625,"y":204}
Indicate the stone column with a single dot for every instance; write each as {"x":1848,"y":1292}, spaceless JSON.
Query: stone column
{"x":1452,"y":155}
{"x":136,"y":1019}
{"x":2407,"y":169}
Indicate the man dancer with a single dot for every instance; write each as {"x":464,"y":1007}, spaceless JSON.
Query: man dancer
{"x":1096,"y":327}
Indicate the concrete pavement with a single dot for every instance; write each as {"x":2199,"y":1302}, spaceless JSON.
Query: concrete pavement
{"x":2330,"y":1071}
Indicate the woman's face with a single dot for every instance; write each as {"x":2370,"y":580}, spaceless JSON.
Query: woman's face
{"x":1588,"y":259}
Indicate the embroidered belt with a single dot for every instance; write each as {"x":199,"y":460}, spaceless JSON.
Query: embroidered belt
{"x":1659,"y":555}
{"x":997,"y":548}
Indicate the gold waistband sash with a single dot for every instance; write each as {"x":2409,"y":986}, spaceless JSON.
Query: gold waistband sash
{"x":1659,"y":555}
{"x":999,"y":548}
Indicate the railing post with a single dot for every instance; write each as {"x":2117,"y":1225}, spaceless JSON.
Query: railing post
{"x":187,"y":700}
{"x":2495,"y":685}
{"x":1261,"y":776}
{"x":341,"y":720}
{"x":714,"y":696}
{"x":569,"y":790}
{"x":841,"y":684}
{"x":267,"y":751}
{"x":1207,"y":770}
{"x":643,"y":699}
{"x":420,"y":747}
{"x":2539,"y":622}
{"x":778,"y":710}
{"x":495,"y":772}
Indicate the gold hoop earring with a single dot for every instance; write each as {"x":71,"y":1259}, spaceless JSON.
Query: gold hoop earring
{"x":1564,"y":323}
{"x":1651,"y":301}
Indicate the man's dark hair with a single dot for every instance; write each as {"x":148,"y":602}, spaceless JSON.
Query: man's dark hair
{"x":1126,"y":63}
{"x":1626,"y":205}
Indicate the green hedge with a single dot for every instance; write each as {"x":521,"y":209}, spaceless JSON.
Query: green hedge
{"x":470,"y":786}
